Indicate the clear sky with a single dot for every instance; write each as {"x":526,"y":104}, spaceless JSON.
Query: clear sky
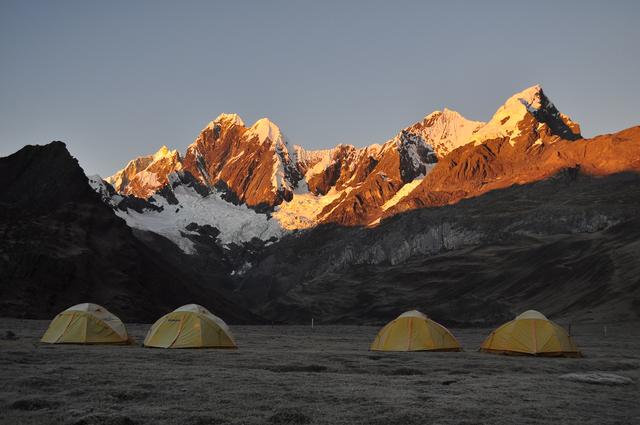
{"x":118,"y":79}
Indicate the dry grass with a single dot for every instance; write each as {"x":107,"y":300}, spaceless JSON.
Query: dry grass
{"x":299,"y":375}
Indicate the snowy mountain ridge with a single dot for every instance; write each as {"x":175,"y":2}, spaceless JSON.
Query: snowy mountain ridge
{"x":257,"y":185}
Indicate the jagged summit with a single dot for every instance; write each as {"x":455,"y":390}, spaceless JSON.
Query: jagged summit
{"x":521,"y":113}
{"x":255,"y":164}
{"x":144,"y":175}
{"x":263,"y":129}
{"x":164,"y":152}
{"x":226,"y":119}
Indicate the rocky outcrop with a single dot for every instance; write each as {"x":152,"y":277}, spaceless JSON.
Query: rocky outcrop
{"x":256,"y":163}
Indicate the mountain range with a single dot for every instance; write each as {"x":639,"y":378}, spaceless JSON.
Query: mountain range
{"x":436,"y":161}
{"x":461,"y":218}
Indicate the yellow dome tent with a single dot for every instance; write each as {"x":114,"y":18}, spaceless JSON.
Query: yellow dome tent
{"x":190,"y":326}
{"x":413,"y":331}
{"x":530,"y":333}
{"x":86,"y":324}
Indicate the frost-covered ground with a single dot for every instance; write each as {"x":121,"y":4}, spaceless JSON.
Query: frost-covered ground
{"x":325,"y":375}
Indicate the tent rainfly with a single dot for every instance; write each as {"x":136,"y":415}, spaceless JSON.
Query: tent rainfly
{"x":413,"y":331}
{"x":190,"y":326}
{"x":531,"y":333}
{"x":86,"y":324}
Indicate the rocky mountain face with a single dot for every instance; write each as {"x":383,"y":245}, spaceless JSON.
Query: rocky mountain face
{"x":61,"y":245}
{"x":256,"y":163}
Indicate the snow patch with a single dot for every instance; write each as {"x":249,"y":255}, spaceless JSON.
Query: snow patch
{"x":237,"y":223}
{"x":302,"y":211}
{"x":99,"y":185}
{"x":242,"y":270}
{"x":404,"y":191}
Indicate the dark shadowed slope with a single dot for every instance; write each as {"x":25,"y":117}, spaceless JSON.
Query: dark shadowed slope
{"x":61,"y":245}
{"x":568,"y":246}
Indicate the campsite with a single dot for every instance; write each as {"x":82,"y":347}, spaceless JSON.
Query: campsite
{"x":319,"y":375}
{"x":319,"y":213}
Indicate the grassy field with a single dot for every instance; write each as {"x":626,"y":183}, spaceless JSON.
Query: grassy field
{"x":325,"y":375}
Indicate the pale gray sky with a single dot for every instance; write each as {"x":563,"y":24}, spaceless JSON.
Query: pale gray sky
{"x":118,"y":79}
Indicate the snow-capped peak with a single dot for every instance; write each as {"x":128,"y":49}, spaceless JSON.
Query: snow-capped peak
{"x":284,"y":174}
{"x":163,"y":152}
{"x":446,"y":113}
{"x":531,"y":98}
{"x":230,"y":119}
{"x":265,"y":130}
{"x":532,"y":103}
{"x":225,"y":119}
{"x":504,"y":122}
{"x":444,"y":130}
